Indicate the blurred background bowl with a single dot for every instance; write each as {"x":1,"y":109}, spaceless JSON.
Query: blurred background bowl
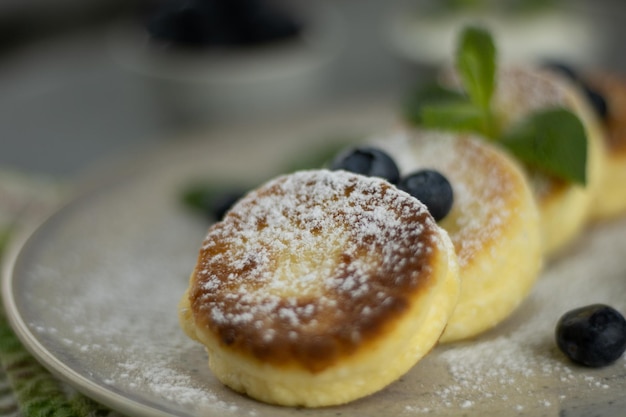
{"x":234,"y":83}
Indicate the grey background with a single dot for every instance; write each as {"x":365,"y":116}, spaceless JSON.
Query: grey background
{"x":65,"y":103}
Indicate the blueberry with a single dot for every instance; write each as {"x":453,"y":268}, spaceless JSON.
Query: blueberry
{"x":597,"y":101}
{"x":264,"y":22}
{"x":188,"y":23}
{"x":223,"y":202}
{"x":205,"y":23}
{"x":564,"y":69}
{"x":368,"y":161}
{"x":431,"y":188}
{"x":594,"y":335}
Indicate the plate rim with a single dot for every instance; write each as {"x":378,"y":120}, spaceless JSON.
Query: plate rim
{"x":27,"y":235}
{"x":24,"y":235}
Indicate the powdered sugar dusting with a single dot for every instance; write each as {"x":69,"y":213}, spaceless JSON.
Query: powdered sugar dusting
{"x":481,"y":184}
{"x":523,"y":90}
{"x":519,"y":363}
{"x":298,"y":253}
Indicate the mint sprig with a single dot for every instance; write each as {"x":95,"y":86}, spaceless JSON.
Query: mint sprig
{"x":459,"y":116}
{"x":552,"y":140}
{"x":476,"y":64}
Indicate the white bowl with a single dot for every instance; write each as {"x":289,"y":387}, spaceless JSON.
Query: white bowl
{"x":234,"y":83}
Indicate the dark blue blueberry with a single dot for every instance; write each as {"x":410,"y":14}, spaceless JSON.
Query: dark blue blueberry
{"x":598,"y":102}
{"x":368,"y":161}
{"x":594,"y":335}
{"x":189,"y":23}
{"x":222,"y":202}
{"x":564,"y":69}
{"x":431,"y":188}
{"x":205,"y":23}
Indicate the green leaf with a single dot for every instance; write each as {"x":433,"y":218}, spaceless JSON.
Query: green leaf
{"x":476,"y":64}
{"x":207,"y":198}
{"x":459,"y":116}
{"x":431,"y":93}
{"x":553,"y":140}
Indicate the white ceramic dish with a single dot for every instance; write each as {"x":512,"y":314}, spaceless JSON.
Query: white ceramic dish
{"x":235,"y":82}
{"x":92,"y":292}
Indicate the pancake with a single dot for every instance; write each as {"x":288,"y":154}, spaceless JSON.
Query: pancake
{"x":611,"y":195}
{"x":564,"y":207}
{"x":493,"y":224}
{"x":320,"y":287}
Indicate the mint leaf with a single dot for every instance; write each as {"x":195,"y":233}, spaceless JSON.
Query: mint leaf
{"x":476,"y":64}
{"x":428,"y":94}
{"x":553,"y":140}
{"x":459,"y":116}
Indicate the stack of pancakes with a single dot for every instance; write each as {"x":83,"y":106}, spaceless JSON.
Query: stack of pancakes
{"x":321,"y":287}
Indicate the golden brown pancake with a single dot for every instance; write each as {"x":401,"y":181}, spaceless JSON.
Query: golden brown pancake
{"x":320,"y":287}
{"x":564,"y":207}
{"x":493,"y":223}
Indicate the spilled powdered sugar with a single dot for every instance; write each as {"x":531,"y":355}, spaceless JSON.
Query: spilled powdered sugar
{"x":519,"y":364}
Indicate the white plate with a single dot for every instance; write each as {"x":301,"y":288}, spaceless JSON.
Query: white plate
{"x":93,"y":294}
{"x":226,"y":82}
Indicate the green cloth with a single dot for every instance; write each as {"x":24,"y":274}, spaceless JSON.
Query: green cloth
{"x":27,"y":389}
{"x":30,"y":390}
